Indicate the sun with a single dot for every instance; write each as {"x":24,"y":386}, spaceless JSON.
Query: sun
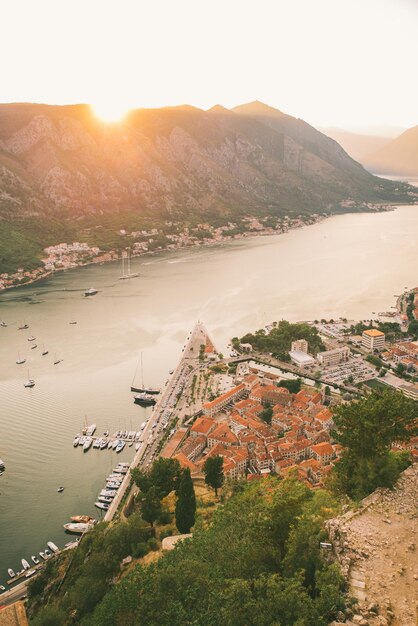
{"x":110,"y":112}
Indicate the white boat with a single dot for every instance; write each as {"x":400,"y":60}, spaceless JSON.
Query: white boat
{"x":45,"y":555}
{"x":78,"y":528}
{"x":19,"y":360}
{"x":29,"y":383}
{"x":25,"y":564}
{"x":60,"y":489}
{"x":108,"y":493}
{"x":2,"y":466}
{"x":81,"y":441}
{"x":97,"y":443}
{"x":137,"y":446}
{"x":3,"y":324}
{"x":91,"y":291}
{"x":106,"y":499}
{"x":23,"y":326}
{"x":87,"y":443}
{"x":31,"y":338}
{"x":2,"y":587}
{"x":76,"y":441}
{"x":11,"y":573}
{"x":115,"y":443}
{"x":128,"y":274}
{"x":120,"y":446}
{"x":104,"y":444}
{"x":144,"y":398}
{"x":90,"y":430}
{"x":53,"y":547}
{"x":30,"y":573}
{"x":35,"y":559}
{"x":102,"y":505}
{"x":111,"y":485}
{"x":123,"y":464}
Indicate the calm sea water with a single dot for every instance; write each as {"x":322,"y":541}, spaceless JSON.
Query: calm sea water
{"x":348,"y":266}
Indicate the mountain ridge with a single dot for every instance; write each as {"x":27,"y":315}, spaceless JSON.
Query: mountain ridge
{"x":399,"y":156}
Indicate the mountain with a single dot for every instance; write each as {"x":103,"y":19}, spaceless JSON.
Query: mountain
{"x":358,"y":146}
{"x":62,"y":170}
{"x":399,"y":156}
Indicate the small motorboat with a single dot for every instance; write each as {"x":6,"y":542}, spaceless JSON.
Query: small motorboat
{"x":57,"y":361}
{"x":91,"y":291}
{"x":45,"y":555}
{"x":137,"y":446}
{"x":120,"y":446}
{"x":3,"y":324}
{"x":19,"y":360}
{"x":82,"y":519}
{"x":105,"y":499}
{"x":31,"y":338}
{"x":29,"y":383}
{"x":78,"y":528}
{"x":53,"y":547}
{"x":11,"y":573}
{"x":102,"y":505}
{"x":34,"y":346}
{"x":30,"y":573}
{"x":23,"y":327}
{"x":25,"y":564}
{"x":76,"y":441}
{"x":60,"y":489}
{"x":106,"y":433}
{"x":2,"y":587}
{"x":88,"y":441}
{"x":35,"y":559}
{"x":45,"y":352}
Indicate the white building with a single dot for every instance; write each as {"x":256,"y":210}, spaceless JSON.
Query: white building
{"x":301,"y":359}
{"x":373,"y":339}
{"x":333,"y":357}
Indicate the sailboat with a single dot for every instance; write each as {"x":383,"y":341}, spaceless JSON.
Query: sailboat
{"x":144,"y":395}
{"x":19,"y":361}
{"x":72,"y":320}
{"x":127,"y":275}
{"x":44,"y":351}
{"x":30,"y":382}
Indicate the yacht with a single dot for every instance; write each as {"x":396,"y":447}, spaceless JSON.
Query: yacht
{"x":102,"y":505}
{"x":87,"y":443}
{"x":53,"y":547}
{"x":107,"y":492}
{"x":78,"y":528}
{"x":35,"y":559}
{"x":25,"y":564}
{"x":29,"y":383}
{"x":106,"y":499}
{"x":11,"y":573}
{"x":144,"y":398}
{"x":90,"y":292}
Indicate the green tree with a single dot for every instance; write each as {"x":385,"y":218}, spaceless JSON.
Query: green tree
{"x":163,"y":475}
{"x":213,"y":470}
{"x":186,"y":503}
{"x":266,"y":414}
{"x":151,"y":505}
{"x":366,"y":430}
{"x":293,"y":386}
{"x":413,"y":329}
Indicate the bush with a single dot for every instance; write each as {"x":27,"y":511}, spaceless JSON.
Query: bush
{"x":164,"y":517}
{"x":152,"y":544}
{"x":140,"y":550}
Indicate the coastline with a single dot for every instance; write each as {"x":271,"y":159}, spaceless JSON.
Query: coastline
{"x":250,"y":233}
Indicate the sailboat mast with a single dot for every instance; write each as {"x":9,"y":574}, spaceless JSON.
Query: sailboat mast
{"x":129,"y":264}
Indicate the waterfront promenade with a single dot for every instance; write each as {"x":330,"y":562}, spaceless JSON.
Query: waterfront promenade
{"x":170,"y":405}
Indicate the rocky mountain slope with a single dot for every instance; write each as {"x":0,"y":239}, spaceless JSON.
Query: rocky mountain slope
{"x":399,"y":156}
{"x":173,"y":161}
{"x":377,"y":549}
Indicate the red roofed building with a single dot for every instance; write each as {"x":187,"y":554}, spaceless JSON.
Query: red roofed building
{"x":323,"y":452}
{"x":225,"y":400}
{"x":222,"y":434}
{"x":202,"y":426}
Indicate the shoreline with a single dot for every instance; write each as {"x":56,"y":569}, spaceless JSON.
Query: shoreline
{"x":316,"y":219}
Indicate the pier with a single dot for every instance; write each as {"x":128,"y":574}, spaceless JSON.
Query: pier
{"x":163,"y":412}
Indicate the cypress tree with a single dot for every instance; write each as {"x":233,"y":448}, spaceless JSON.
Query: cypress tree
{"x":186,"y":503}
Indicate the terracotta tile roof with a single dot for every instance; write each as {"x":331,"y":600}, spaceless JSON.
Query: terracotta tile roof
{"x":223,"y":433}
{"x":373,"y":332}
{"x":323,"y":449}
{"x":224,"y":397}
{"x":185,"y":462}
{"x":202,"y":425}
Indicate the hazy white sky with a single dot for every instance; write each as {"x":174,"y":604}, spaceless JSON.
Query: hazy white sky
{"x":331,"y":62}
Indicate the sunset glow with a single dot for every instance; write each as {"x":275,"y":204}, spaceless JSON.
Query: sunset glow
{"x":110,"y":111}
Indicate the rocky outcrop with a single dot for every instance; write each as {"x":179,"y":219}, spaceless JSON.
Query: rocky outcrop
{"x":376,"y":546}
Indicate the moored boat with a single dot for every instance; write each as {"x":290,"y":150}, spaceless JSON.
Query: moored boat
{"x":78,"y":528}
{"x":82,"y":519}
{"x":11,"y":573}
{"x":145,"y":399}
{"x":35,"y":559}
{"x":91,"y":291}
{"x":25,"y":564}
{"x":29,"y":383}
{"x":102,"y":505}
{"x":53,"y":547}
{"x":120,"y":446}
{"x":76,"y":440}
{"x":31,"y":338}
{"x":87,"y":443}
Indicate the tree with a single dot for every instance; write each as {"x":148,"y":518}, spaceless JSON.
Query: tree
{"x":186,"y":503}
{"x":413,"y":329}
{"x":366,"y":430}
{"x":266,"y":414}
{"x":293,"y":386}
{"x":213,"y":470}
{"x":151,"y":505}
{"x":164,"y":475}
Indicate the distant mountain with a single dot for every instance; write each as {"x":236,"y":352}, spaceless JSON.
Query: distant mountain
{"x":399,"y":156}
{"x":62,"y":170}
{"x":172,"y":161}
{"x":359,"y":147}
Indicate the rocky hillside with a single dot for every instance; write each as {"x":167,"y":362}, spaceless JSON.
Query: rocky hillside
{"x":173,"y":161}
{"x":399,"y":156}
{"x":377,"y":549}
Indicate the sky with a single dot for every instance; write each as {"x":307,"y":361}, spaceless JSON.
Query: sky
{"x":342,"y":63}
